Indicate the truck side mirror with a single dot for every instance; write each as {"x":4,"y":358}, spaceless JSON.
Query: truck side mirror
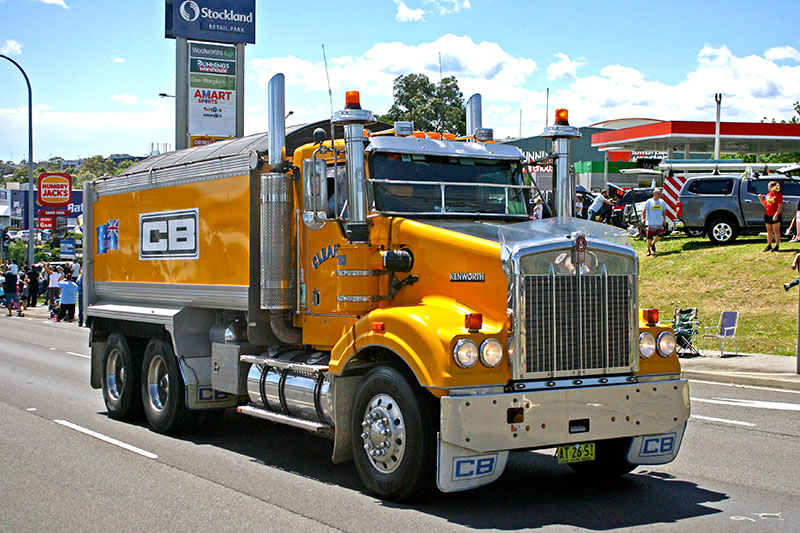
{"x":315,"y":192}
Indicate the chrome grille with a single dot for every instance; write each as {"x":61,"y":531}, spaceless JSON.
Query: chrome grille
{"x":577,"y":324}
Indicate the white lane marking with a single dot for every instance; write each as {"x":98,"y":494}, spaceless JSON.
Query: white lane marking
{"x":79,"y":355}
{"x":779,"y":406}
{"x":735,"y":385}
{"x":31,"y":409}
{"x":722,"y":420}
{"x":109,"y":440}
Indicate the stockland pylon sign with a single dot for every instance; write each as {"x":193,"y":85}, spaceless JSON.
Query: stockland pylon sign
{"x":221,"y":21}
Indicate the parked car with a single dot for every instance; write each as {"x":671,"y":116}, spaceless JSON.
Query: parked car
{"x":726,"y":206}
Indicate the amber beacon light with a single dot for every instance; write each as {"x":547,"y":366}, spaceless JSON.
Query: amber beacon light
{"x":562,"y":117}
{"x":352,"y":100}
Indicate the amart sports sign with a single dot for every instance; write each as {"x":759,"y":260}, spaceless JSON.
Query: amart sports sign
{"x":221,"y":21}
{"x":55,"y":189}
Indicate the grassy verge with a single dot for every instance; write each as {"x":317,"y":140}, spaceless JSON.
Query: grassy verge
{"x":740,"y":277}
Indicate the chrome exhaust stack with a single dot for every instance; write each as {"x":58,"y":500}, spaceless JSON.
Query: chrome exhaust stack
{"x":474,"y":114}
{"x":353,"y":119}
{"x":277,"y":273}
{"x":563,"y":180}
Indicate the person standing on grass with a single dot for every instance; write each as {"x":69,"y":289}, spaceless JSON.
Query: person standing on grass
{"x":653,"y":214}
{"x":787,"y":286}
{"x":773,"y":207}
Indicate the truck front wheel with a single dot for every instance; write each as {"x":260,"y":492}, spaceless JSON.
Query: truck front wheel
{"x":393,"y":435}
{"x":163,"y":390}
{"x":121,"y":377}
{"x":723,"y":230}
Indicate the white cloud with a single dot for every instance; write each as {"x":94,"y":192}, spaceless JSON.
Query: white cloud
{"x":479,"y":67}
{"x":406,"y":14}
{"x":11,"y":47}
{"x":782,"y":52}
{"x":445,"y":7}
{"x":564,"y":68}
{"x":117,"y":59}
{"x":84,"y":133}
{"x":753,"y":87}
{"x":61,"y":3}
{"x":126,"y":99}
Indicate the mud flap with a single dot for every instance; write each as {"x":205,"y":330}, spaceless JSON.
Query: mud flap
{"x":461,"y":469}
{"x":656,"y":449}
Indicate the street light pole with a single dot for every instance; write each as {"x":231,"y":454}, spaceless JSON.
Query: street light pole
{"x":31,"y":205}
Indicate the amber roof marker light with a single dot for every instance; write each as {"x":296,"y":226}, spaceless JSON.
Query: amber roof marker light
{"x":352,"y":100}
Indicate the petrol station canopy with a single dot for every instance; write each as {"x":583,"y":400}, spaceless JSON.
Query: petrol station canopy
{"x":698,"y":137}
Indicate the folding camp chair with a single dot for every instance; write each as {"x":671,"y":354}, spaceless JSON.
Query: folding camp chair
{"x":726,"y":330}
{"x":687,"y":328}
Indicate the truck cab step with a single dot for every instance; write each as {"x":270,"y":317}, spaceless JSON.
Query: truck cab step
{"x":301,"y":423}
{"x":287,"y":365}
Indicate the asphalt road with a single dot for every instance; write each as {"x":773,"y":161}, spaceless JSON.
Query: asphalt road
{"x":738,"y":470}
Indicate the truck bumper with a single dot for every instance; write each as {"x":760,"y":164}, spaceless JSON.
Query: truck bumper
{"x":544,"y":418}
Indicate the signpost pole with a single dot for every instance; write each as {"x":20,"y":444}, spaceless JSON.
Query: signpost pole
{"x":181,"y":93}
{"x":240,"y":90}
{"x":31,"y":206}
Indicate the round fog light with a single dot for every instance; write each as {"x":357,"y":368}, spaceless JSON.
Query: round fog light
{"x":647,"y":345}
{"x":465,"y":353}
{"x":666,"y":344}
{"x":491,"y":352}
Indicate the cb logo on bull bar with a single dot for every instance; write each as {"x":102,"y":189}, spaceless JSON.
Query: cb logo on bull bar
{"x":658,"y":445}
{"x":474,"y":466}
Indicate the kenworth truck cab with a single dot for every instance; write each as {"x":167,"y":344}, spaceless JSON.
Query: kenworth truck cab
{"x":387,"y":290}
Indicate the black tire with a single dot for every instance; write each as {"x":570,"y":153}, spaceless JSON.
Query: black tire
{"x":609,"y":460}
{"x":722,"y":230}
{"x":163,"y":391}
{"x":121,"y":379}
{"x":694,"y":232}
{"x":402,"y":466}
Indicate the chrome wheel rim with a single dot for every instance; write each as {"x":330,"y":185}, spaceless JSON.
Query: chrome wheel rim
{"x":115,"y":375}
{"x":722,"y":232}
{"x":384,"y":433}
{"x":157,"y":383}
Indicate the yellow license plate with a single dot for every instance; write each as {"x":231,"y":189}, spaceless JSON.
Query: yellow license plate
{"x":575,"y":453}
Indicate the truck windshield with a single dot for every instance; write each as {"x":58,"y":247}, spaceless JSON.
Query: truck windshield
{"x":436,"y":185}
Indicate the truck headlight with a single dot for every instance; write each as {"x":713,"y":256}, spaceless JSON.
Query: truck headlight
{"x":666,"y":343}
{"x":491,"y":352}
{"x":647,"y":345}
{"x":465,"y":353}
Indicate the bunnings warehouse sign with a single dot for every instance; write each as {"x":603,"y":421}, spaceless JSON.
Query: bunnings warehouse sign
{"x":219,"y":21}
{"x":212,"y":94}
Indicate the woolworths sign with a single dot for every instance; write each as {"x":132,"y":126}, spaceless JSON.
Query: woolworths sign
{"x":222,"y":21}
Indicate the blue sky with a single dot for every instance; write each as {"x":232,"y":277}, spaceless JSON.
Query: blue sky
{"x":97,"y":66}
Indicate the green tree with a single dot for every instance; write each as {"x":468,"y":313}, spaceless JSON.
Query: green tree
{"x":432,"y":107}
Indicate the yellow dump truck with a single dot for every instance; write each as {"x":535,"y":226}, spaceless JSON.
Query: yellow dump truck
{"x":384,"y":288}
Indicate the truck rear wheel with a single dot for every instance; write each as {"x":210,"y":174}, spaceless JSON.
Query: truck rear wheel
{"x":163,"y":390}
{"x":610,"y":460}
{"x":121,"y":377}
{"x":393,"y":435}
{"x":723,"y":230}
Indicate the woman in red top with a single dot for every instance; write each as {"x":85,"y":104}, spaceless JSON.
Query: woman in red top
{"x":773,"y":207}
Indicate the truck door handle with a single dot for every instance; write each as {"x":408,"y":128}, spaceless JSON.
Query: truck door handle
{"x":748,"y":201}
